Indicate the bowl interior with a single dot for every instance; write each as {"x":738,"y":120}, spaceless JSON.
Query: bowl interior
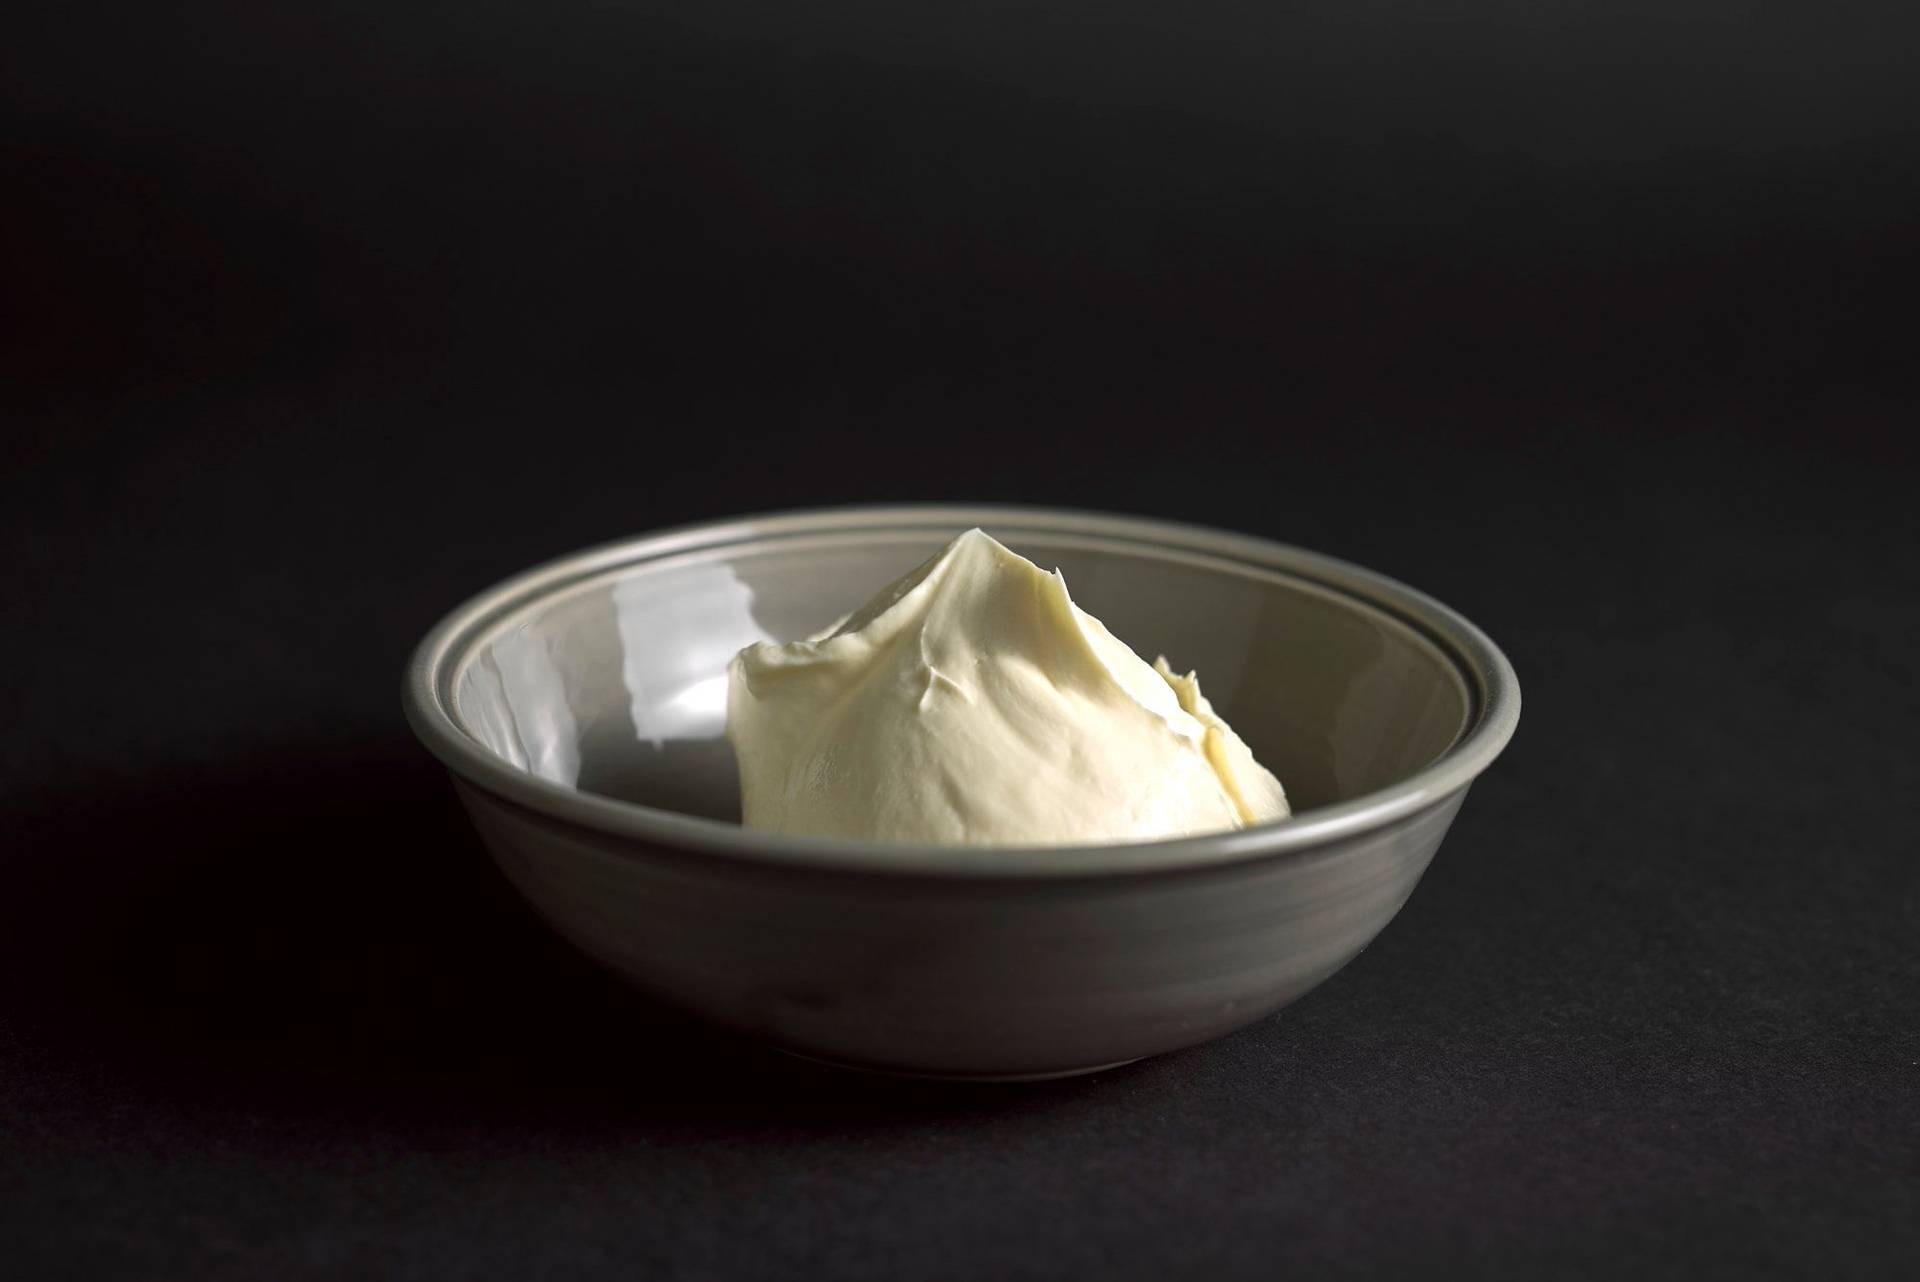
{"x":616,"y":684}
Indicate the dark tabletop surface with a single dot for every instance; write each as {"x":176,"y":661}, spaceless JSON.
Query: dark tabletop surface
{"x":1595,"y":322}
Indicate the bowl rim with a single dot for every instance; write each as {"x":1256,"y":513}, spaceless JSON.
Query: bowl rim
{"x":1493,"y":687}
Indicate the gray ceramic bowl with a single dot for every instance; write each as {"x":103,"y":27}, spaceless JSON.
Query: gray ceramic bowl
{"x":580,"y":708}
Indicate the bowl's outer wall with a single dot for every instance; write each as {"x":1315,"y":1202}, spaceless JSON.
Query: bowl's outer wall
{"x":956,"y":976}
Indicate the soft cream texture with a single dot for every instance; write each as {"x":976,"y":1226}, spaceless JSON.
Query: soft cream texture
{"x":972,"y":703}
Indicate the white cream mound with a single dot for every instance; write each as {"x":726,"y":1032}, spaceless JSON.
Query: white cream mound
{"x":972,"y":703}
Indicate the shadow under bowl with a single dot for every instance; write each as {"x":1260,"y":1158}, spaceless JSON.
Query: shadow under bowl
{"x":581,"y":708}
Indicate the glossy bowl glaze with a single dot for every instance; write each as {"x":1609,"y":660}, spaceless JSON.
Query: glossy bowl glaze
{"x":581,"y":707}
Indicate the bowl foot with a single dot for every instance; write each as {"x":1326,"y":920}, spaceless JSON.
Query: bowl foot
{"x":1048,"y":1076}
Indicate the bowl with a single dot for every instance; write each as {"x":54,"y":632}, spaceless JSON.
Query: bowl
{"x":581,"y":708}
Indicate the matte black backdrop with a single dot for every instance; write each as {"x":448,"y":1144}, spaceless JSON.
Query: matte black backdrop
{"x":1595,"y":320}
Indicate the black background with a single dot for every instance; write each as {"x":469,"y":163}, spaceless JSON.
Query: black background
{"x":1594,"y":320}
